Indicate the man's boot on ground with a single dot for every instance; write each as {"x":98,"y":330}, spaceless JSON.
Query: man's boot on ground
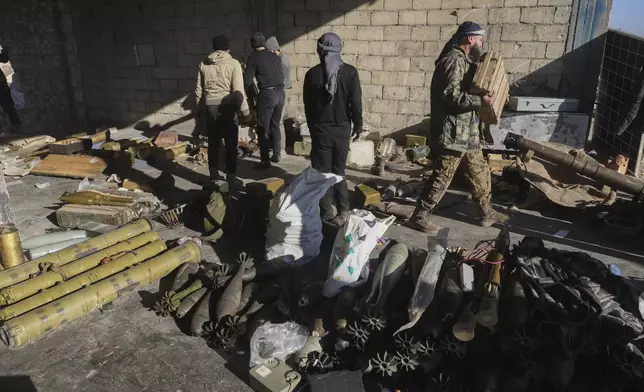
{"x":263,"y":165}
{"x":490,"y":217}
{"x":422,"y":221}
{"x":234,"y":183}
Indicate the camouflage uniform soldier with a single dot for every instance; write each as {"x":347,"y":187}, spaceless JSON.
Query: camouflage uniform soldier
{"x":456,"y":129}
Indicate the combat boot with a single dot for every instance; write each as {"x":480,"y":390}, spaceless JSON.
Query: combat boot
{"x":422,"y":221}
{"x":234,"y":183}
{"x":490,"y":217}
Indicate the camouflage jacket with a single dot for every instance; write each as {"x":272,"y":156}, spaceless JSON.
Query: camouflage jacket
{"x":454,"y":122}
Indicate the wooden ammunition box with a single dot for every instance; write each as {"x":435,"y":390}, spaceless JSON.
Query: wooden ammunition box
{"x":415,"y":140}
{"x":491,"y":77}
{"x":67,"y":146}
{"x":271,"y":185}
{"x":366,"y":195}
{"x":72,"y":215}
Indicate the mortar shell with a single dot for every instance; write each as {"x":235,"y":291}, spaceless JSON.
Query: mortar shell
{"x":18,"y":292}
{"x":22,"y":272}
{"x":87,"y":278}
{"x":10,"y":247}
{"x":35,"y":323}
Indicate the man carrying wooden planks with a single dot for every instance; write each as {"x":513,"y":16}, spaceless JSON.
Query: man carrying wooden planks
{"x":455,"y":129}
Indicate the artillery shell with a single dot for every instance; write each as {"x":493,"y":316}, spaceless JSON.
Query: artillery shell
{"x":22,"y":272}
{"x":229,"y":301}
{"x":201,"y":316}
{"x":190,"y":301}
{"x":92,"y":276}
{"x":45,"y":280}
{"x":388,"y":275}
{"x":34,"y":324}
{"x":247,"y":294}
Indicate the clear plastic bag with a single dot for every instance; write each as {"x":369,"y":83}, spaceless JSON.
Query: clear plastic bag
{"x":277,"y":341}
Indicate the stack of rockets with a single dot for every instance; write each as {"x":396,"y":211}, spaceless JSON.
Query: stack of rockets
{"x":40,"y":295}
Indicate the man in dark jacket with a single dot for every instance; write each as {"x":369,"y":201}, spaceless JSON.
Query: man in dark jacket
{"x":455,"y":129}
{"x":266,"y":67}
{"x":274,"y":46}
{"x":6,"y":101}
{"x":332,"y":102}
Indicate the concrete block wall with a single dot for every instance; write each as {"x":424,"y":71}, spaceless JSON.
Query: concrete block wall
{"x":34,"y":32}
{"x":394,"y":43}
{"x":139,"y":58}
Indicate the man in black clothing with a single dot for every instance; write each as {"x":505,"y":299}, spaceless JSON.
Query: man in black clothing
{"x":6,"y":101}
{"x":266,"y":67}
{"x":332,"y":102}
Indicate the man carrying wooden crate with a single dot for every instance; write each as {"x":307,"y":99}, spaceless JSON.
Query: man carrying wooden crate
{"x":455,"y":129}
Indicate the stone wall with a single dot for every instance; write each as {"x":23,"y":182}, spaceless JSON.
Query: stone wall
{"x":139,"y":57}
{"x":394,"y":44}
{"x":35,"y":33}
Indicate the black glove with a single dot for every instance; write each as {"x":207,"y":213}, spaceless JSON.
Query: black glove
{"x":356,"y":133}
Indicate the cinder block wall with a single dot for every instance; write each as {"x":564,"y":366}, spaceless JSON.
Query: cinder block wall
{"x":35,"y":33}
{"x":139,"y":57}
{"x":394,"y":44}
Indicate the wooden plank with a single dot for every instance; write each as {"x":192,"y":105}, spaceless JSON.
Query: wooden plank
{"x":72,"y":166}
{"x":491,"y":77}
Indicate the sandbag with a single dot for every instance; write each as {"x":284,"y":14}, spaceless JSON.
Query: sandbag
{"x":294,"y":232}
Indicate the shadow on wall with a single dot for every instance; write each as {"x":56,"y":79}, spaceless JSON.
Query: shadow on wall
{"x":139,"y":60}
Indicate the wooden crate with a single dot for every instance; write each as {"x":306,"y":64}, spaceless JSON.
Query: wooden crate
{"x":73,"y":166}
{"x":491,"y":77}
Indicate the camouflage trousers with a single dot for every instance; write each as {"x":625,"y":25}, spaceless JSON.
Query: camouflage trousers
{"x":446,"y":163}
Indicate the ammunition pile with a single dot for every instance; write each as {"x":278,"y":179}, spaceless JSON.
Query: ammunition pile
{"x":492,"y":319}
{"x":48,"y":292}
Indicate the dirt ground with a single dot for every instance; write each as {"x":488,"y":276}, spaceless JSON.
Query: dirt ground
{"x":129,"y":348}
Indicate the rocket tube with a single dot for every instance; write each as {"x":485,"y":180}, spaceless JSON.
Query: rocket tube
{"x":18,"y":292}
{"x":32,"y":325}
{"x":23,"y":271}
{"x":78,"y":282}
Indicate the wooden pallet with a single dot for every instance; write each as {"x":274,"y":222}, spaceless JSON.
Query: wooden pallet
{"x":491,"y":77}
{"x":73,"y":166}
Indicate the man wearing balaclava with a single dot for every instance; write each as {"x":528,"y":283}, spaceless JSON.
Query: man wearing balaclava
{"x":332,"y":103}
{"x":455,"y":129}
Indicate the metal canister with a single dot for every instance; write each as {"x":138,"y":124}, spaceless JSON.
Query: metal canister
{"x":10,"y":247}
